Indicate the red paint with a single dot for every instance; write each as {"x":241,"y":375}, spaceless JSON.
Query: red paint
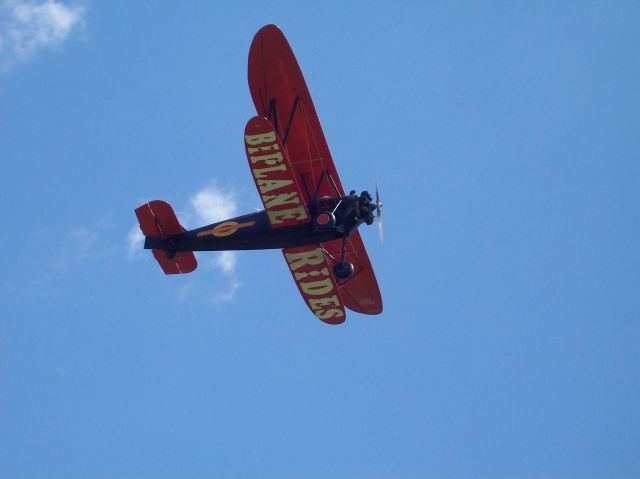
{"x":273,"y":175}
{"x":323,"y":219}
{"x":360,"y":292}
{"x":158,"y":220}
{"x":313,"y":275}
{"x":275,"y":79}
{"x":274,"y":74}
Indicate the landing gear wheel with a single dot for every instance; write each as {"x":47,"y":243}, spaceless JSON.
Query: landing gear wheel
{"x":324,"y":221}
{"x":343,"y":270}
{"x":171,"y":254}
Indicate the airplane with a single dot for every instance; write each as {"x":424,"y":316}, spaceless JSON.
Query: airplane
{"x":306,"y":211}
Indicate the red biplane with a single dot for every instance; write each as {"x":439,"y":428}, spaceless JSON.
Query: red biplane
{"x":306,"y":211}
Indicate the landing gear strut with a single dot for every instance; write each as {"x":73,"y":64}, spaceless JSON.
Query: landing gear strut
{"x":343,"y":269}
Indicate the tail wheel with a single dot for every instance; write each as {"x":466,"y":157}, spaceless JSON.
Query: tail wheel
{"x":343,"y":270}
{"x":325,"y":221}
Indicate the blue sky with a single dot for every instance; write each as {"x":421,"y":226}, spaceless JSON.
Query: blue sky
{"x":504,"y":137}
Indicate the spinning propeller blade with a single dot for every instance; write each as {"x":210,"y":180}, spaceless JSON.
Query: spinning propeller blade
{"x":379,"y":213}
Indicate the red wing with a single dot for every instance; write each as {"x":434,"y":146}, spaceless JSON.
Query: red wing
{"x":280,"y":93}
{"x":274,"y":177}
{"x":360,"y":292}
{"x":311,"y":271}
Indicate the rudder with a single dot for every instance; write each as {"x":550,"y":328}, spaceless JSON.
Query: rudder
{"x":158,"y":220}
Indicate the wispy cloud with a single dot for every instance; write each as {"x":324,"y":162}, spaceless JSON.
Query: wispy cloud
{"x":29,"y":26}
{"x":227,"y":293}
{"x":135,"y":242}
{"x":82,"y":239}
{"x":226,"y":261}
{"x":212,"y":204}
{"x":184,"y":292}
{"x":208,"y":205}
{"x":78,"y":246}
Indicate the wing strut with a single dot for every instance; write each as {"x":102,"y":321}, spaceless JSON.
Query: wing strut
{"x":306,"y":188}
{"x":293,"y":111}
{"x":333,"y":183}
{"x":273,"y":115}
{"x":273,"y":112}
{"x":324,"y":172}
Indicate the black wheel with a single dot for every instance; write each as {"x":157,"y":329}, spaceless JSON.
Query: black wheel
{"x":343,"y":270}
{"x":325,"y":221}
{"x":171,"y":254}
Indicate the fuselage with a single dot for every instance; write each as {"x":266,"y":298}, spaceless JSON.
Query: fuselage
{"x":254,"y":231}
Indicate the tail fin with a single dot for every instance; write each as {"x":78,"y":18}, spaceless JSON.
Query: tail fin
{"x":158,"y":220}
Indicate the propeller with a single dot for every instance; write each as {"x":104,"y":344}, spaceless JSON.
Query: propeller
{"x":379,"y":214}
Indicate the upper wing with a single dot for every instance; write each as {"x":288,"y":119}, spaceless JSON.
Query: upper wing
{"x":280,"y":93}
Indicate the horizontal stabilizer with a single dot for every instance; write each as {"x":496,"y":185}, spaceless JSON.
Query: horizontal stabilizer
{"x":183,"y":262}
{"x":158,"y":220}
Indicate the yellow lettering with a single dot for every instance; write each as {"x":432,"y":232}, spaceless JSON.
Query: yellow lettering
{"x":330,"y":313}
{"x":263,"y":148}
{"x":317,"y":303}
{"x":266,"y":186}
{"x":267,"y":159}
{"x":298,"y":260}
{"x":323,"y":272}
{"x":259,"y":172}
{"x":282,"y":199}
{"x":317,"y":288}
{"x":261,"y":138}
{"x":298,"y":213}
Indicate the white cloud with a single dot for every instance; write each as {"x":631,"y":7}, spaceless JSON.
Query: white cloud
{"x":213,"y":204}
{"x":226,"y":261}
{"x":28,"y":26}
{"x":135,"y":243}
{"x":210,"y":205}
